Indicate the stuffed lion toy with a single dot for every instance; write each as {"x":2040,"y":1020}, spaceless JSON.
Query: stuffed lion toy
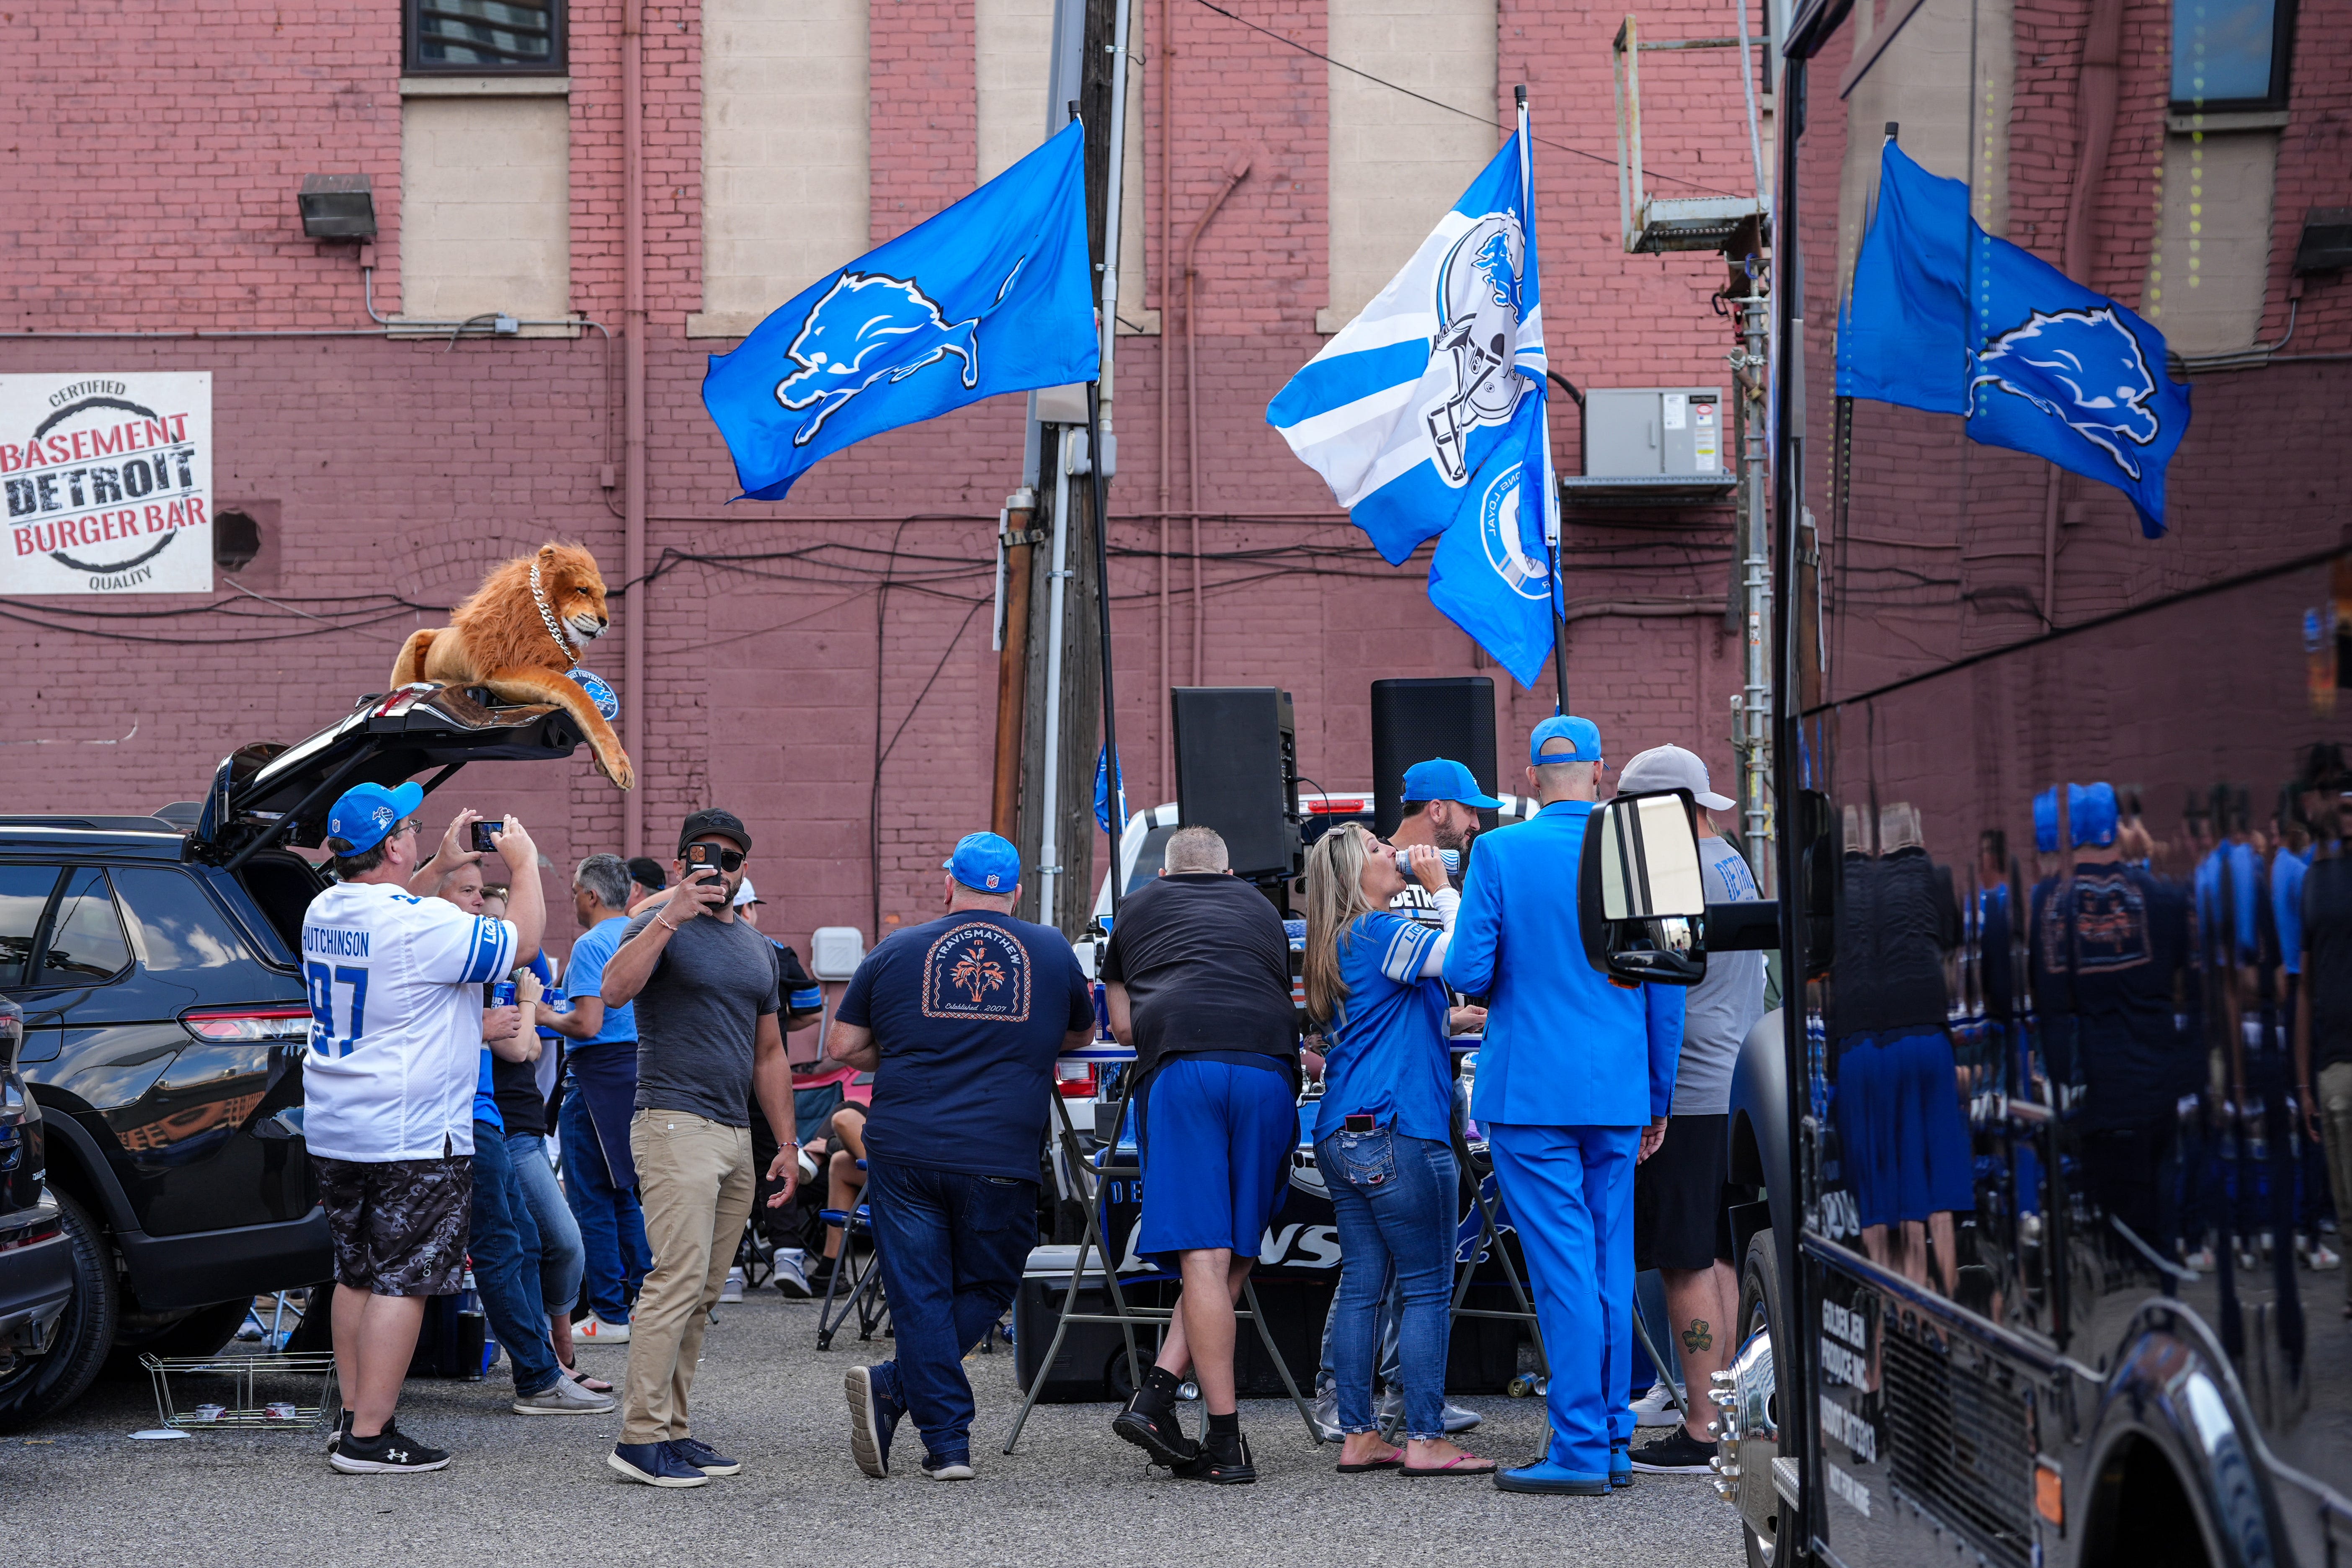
{"x":520,"y":635}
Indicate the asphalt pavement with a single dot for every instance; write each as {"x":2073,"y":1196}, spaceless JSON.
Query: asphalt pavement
{"x":535,"y":1489}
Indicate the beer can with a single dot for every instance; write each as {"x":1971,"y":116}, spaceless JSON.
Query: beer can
{"x":211,"y":1412}
{"x":555,"y":1001}
{"x":502,"y":995}
{"x":279,"y":1410}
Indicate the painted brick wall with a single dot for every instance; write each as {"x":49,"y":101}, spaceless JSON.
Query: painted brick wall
{"x":407,"y":470}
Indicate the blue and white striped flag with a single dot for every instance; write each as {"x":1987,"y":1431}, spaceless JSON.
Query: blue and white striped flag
{"x":1425,"y":416}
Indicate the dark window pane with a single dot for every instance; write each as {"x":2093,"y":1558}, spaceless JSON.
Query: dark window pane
{"x":86,"y":937}
{"x":23,"y":893}
{"x":2221,"y":50}
{"x":172,"y":925}
{"x":485,"y":35}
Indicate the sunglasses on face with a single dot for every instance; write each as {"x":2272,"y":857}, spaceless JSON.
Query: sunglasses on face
{"x":728,"y":859}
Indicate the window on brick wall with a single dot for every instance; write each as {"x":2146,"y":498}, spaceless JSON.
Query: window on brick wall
{"x":2230,"y":55}
{"x":477,"y":37}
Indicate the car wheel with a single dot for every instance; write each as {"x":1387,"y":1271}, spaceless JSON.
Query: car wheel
{"x":1759,"y":1309}
{"x":84,"y":1334}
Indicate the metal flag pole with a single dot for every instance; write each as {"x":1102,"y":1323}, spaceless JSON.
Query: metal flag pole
{"x":1555,"y":590}
{"x":1114,"y":781}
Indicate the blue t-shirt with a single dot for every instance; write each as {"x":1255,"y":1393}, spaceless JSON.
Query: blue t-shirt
{"x":1387,"y":1054}
{"x":584,"y":976}
{"x":968,"y":1011}
{"x":2286,"y":906}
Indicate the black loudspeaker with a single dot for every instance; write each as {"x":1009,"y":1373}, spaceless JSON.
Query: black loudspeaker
{"x":1413,"y":720}
{"x":1238,"y":772}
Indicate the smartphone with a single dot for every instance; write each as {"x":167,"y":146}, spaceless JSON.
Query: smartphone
{"x":1359,"y":1122}
{"x":702,"y":858}
{"x":481,"y":832}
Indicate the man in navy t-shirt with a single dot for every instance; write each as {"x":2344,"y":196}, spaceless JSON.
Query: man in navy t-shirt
{"x":960,"y":1021}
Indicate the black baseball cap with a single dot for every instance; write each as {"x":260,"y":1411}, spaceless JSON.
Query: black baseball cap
{"x":646,"y":872}
{"x":714,"y":819}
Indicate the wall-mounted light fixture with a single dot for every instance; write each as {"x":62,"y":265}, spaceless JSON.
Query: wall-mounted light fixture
{"x":337,"y":206}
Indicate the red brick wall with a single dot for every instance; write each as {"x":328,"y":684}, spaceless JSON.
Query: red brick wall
{"x":409,"y":468}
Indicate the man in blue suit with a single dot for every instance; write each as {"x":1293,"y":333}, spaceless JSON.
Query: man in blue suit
{"x":1574,"y":1081}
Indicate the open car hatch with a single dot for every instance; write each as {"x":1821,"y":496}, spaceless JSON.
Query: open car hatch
{"x":264,"y":794}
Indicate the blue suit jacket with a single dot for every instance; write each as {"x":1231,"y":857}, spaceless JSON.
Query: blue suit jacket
{"x":1565,"y":1047}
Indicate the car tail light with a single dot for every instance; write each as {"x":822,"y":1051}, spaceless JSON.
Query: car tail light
{"x":40,"y":1230}
{"x":228,"y":1026}
{"x":1075,"y":1079}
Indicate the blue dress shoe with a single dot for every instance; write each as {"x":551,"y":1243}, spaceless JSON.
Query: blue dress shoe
{"x":1552,"y":1478}
{"x":1621,"y":1465}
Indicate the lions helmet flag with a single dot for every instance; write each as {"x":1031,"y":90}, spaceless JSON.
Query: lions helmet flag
{"x":1946,"y":317}
{"x":991,"y":295}
{"x":1425,"y":416}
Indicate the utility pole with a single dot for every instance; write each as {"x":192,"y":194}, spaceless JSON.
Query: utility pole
{"x":1061,"y":664}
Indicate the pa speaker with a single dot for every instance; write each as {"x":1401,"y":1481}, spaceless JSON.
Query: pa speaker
{"x":1238,"y":772}
{"x":1414,"y":721}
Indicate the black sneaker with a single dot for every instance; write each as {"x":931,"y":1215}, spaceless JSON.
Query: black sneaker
{"x":342,"y":1430}
{"x":1223,"y":1460}
{"x":1678,"y":1454}
{"x":955,"y":1467}
{"x":389,"y":1452}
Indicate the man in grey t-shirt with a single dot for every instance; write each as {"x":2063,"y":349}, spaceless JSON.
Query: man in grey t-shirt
{"x":1682,"y":1215}
{"x":704,"y":987}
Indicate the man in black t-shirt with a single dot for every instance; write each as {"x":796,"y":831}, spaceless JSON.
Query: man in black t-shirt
{"x":2323,"y":1024}
{"x":1197,"y":979}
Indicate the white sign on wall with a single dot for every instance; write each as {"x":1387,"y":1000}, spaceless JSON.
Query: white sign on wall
{"x":108,"y":481}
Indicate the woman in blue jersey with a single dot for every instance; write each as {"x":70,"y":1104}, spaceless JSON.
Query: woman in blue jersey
{"x":1382,"y":1137}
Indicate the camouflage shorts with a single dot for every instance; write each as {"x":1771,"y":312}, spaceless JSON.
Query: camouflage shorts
{"x":399,"y":1225}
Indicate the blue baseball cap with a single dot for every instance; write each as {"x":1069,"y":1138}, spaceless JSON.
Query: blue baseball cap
{"x":985,"y":863}
{"x":2091,"y":814}
{"x":1442,"y":778}
{"x":2045,"y":821}
{"x":1583,"y":734}
{"x":367,"y":813}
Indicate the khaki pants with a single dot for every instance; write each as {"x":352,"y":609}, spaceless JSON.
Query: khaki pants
{"x":695,"y":1179}
{"x":2335,"y":1088}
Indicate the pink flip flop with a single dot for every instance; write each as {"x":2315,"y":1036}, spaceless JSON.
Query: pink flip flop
{"x":1460,"y":1464}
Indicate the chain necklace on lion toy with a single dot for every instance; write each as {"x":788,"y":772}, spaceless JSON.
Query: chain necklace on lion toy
{"x":594,"y":685}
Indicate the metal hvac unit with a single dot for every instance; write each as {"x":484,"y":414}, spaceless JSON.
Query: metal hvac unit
{"x":1654,"y":445}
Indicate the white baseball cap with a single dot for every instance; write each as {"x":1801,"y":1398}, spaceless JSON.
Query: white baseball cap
{"x":1671,"y":767}
{"x":744,"y":895}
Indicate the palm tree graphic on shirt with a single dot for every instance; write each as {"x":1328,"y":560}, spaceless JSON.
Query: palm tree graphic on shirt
{"x":975,"y":973}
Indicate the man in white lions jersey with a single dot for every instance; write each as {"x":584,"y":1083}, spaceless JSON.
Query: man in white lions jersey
{"x":388,"y":1094}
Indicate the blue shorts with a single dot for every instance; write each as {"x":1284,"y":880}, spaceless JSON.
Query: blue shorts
{"x":1216,"y":1141}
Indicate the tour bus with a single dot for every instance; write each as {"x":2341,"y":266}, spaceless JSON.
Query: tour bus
{"x":2048,"y":1269}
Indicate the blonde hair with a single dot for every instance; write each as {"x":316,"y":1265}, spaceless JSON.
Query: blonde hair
{"x":1335,"y":898}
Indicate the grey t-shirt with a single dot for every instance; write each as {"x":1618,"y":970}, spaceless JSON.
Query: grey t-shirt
{"x":1721,"y":1009}
{"x":698,"y":1014}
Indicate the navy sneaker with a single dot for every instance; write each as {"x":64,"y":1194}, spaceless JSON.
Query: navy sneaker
{"x":655,"y":1465}
{"x":873,"y":1412}
{"x":705,"y":1458}
{"x":955,"y":1467}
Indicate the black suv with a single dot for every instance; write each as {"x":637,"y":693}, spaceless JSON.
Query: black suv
{"x":164,"y":1020}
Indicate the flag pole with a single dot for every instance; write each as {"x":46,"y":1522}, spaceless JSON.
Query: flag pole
{"x":1114,"y":775}
{"x":1554,"y":590}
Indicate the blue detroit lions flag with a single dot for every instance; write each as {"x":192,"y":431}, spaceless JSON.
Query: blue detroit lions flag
{"x":1425,"y":416}
{"x":1946,"y":317}
{"x":992,"y":295}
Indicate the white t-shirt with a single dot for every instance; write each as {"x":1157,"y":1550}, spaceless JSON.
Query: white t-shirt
{"x":396,"y":1021}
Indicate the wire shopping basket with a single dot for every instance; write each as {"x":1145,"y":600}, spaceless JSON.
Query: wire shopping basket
{"x":188,"y":1395}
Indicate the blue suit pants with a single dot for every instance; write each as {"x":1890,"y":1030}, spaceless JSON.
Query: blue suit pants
{"x":1570,"y":1191}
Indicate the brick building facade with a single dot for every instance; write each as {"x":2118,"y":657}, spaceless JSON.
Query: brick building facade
{"x":789,"y":644}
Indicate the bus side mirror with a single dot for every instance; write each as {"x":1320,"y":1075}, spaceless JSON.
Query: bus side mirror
{"x":1641,"y":906}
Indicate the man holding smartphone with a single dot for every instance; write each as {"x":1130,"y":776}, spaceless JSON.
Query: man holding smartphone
{"x":705,"y":988}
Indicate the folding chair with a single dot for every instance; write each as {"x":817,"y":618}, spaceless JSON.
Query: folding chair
{"x":864,"y":1297}
{"x":1486,"y":1197}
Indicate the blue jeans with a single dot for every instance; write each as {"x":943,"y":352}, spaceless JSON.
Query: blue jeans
{"x":561,"y":1256}
{"x":1391,"y":1307}
{"x":615,"y":1256}
{"x":505,"y":1252}
{"x":1393,"y":1197}
{"x":953,"y":1247}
